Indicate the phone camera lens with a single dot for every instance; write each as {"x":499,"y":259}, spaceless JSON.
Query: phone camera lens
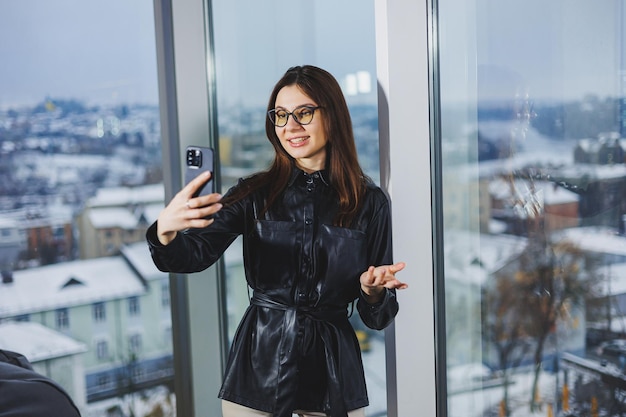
{"x":194,"y":158}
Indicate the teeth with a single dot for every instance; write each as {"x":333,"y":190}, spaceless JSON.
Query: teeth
{"x":297,"y":140}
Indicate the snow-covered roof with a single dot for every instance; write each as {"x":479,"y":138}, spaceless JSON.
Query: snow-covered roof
{"x":587,"y":144}
{"x":29,"y":217}
{"x":138,"y":255}
{"x":48,"y":165}
{"x":593,"y":145}
{"x":119,"y":196}
{"x":472,"y":258}
{"x":37,"y":342}
{"x":68,"y":284}
{"x":550,"y":193}
{"x":593,"y":171}
{"x":7,"y":223}
{"x":108,"y":217}
{"x":596,"y":239}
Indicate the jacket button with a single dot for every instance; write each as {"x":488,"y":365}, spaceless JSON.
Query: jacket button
{"x":308,"y":221}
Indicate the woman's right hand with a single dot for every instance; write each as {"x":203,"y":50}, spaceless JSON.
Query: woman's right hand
{"x":186,"y":211}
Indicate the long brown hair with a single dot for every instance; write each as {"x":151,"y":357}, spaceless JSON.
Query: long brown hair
{"x":342,"y":165}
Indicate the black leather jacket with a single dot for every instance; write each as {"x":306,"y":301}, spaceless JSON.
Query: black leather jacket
{"x":295,"y":348}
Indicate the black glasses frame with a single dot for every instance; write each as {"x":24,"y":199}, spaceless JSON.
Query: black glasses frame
{"x":272,"y":115}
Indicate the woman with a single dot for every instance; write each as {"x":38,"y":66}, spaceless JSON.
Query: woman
{"x":317,"y":236}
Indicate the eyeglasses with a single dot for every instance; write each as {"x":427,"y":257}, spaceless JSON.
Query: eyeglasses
{"x":302,"y":115}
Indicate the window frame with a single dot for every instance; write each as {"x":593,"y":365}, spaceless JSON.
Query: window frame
{"x":62,"y":318}
{"x":134,"y":306}
{"x":185,"y":64}
{"x":406,"y":99}
{"x":102,"y":350}
{"x":99,"y":312}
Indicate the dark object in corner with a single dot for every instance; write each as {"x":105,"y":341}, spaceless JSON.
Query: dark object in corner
{"x":25,"y":393}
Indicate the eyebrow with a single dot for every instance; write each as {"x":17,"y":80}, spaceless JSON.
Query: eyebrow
{"x":297,"y":107}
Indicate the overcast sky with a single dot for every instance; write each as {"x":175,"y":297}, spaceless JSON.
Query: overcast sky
{"x":102,"y":51}
{"x":86,"y":49}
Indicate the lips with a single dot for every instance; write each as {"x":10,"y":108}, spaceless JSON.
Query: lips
{"x":298,"y":141}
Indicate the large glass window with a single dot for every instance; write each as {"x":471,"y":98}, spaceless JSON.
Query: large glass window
{"x":255,"y":43}
{"x":533,"y":138}
{"x":80,"y":180}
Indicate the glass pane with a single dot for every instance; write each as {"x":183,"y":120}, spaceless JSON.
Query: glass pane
{"x":80,"y":180}
{"x":533,"y":118}
{"x":255,"y":43}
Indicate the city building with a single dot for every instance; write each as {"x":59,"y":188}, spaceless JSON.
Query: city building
{"x":557,"y":206}
{"x":117,"y":216}
{"x":608,"y":149}
{"x":115,"y":310}
{"x":13,"y":243}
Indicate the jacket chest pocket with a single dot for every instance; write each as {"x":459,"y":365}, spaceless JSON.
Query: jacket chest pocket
{"x":343,"y":254}
{"x":273,"y":253}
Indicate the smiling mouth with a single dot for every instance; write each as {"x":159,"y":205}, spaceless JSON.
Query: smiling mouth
{"x":296,"y":141}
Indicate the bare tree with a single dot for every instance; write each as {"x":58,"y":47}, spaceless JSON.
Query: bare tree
{"x":551,"y":279}
{"x":505,"y":331}
{"x":538,"y":289}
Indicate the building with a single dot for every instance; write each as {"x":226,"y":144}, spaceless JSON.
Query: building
{"x":117,"y":216}
{"x":117,"y":308}
{"x":602,"y":191}
{"x":607,"y":149}
{"x":13,"y":243}
{"x":37,"y":235}
{"x":514,"y":200}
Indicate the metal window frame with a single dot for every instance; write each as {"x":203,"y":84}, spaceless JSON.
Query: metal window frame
{"x":188,"y":117}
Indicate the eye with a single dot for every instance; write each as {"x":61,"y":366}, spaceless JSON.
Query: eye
{"x":304,"y":112}
{"x":280,"y":114}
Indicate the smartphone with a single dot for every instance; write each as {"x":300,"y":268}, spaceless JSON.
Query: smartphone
{"x":199,"y":159}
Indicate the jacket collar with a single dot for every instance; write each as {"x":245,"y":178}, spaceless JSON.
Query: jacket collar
{"x":298,"y":173}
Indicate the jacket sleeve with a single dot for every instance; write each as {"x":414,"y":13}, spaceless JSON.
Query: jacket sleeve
{"x":379,"y":315}
{"x":194,"y":250}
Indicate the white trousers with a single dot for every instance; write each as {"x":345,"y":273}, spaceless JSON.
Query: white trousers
{"x":230,"y":409}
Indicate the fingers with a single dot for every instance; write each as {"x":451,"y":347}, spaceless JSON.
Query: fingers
{"x":397,"y":267}
{"x":197,"y":223}
{"x":369,"y":277}
{"x":200,"y":213}
{"x":196,"y":183}
{"x":203,"y":201}
{"x":394,"y":282}
{"x":186,"y":212}
{"x":200,"y":202}
{"x":384,"y":276}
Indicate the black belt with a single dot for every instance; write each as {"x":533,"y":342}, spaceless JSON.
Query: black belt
{"x":321,"y":316}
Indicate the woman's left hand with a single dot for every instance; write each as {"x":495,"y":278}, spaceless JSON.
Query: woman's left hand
{"x":376,"y":279}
